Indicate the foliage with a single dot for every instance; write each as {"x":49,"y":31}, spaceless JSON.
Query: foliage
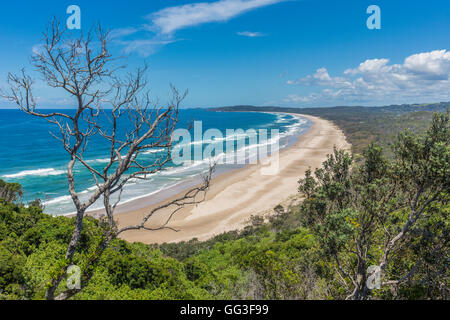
{"x":363,"y":215}
{"x":10,"y":192}
{"x":319,"y":249}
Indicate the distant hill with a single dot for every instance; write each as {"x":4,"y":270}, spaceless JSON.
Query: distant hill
{"x":431,"y":107}
{"x":363,"y":125}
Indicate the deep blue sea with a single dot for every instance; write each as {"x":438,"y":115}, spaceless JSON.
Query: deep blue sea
{"x":31,"y":156}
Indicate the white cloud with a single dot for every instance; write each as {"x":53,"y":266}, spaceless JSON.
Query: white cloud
{"x":373,"y":65}
{"x":164,"y":23}
{"x":37,"y":49}
{"x":144,"y":47}
{"x":421,"y":77}
{"x":320,"y":78}
{"x":169,"y":20}
{"x":123,"y":32}
{"x":434,"y":64}
{"x":250,"y":34}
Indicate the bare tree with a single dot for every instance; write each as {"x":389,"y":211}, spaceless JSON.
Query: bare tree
{"x":84,"y":68}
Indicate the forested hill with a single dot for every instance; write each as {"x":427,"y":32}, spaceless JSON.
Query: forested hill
{"x":431,"y":107}
{"x":363,"y":125}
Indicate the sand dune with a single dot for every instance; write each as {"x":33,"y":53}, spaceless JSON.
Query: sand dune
{"x":237,"y":195}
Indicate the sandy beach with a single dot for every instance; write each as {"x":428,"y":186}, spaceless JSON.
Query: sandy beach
{"x":237,"y":195}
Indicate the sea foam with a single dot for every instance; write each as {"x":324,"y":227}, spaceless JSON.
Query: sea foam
{"x":37,"y":172}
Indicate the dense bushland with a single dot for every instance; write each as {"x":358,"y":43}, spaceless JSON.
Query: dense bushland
{"x":319,"y":249}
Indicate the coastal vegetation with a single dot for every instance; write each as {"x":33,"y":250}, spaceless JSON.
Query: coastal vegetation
{"x":388,"y":209}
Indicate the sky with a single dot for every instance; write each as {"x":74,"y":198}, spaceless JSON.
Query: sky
{"x":297,"y":53}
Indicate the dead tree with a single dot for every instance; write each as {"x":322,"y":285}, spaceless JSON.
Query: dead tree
{"x":85,"y":70}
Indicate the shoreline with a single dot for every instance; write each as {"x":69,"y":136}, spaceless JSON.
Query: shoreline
{"x":234,"y":195}
{"x":171,"y":192}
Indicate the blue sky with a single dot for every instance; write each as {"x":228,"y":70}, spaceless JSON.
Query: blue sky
{"x":260,"y":52}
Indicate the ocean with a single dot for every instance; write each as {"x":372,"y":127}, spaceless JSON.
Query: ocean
{"x":31,"y":156}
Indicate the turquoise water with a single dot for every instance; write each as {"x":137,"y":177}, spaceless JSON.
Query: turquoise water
{"x":30,"y":156}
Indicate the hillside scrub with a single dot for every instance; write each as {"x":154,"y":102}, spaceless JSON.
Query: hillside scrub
{"x":391,"y":212}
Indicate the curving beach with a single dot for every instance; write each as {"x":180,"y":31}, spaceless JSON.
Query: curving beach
{"x":237,"y":195}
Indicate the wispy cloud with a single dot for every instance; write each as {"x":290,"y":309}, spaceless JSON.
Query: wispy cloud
{"x":422,"y":76}
{"x":123,"y":32}
{"x":37,"y":48}
{"x":169,"y":20}
{"x":251,"y":34}
{"x":144,"y":47}
{"x":162,"y":24}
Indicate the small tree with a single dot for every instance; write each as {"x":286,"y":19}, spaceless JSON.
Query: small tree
{"x":84,"y":68}
{"x":10,"y":192}
{"x":365,"y":215}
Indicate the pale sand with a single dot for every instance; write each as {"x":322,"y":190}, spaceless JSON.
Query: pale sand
{"x":237,"y":195}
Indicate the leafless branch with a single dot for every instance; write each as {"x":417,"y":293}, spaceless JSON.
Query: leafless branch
{"x":107,"y":102}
